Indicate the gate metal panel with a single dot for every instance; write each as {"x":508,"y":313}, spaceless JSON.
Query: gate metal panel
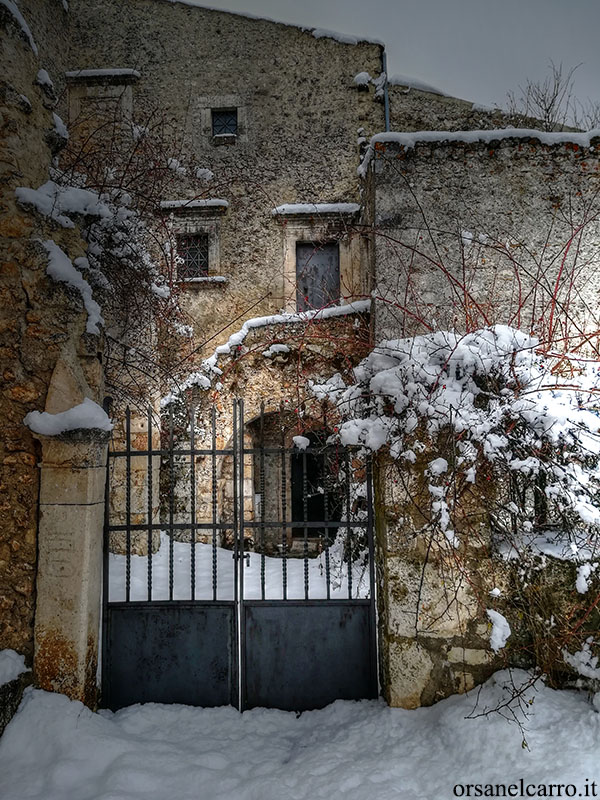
{"x":301,"y":655}
{"x":170,"y":653}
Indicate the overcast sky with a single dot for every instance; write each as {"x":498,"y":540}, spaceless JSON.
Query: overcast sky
{"x":474,"y":49}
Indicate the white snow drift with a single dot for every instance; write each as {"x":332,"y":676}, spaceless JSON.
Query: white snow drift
{"x":55,"y":749}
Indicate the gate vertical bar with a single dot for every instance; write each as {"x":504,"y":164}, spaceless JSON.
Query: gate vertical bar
{"x":236,"y":534}
{"x":326,"y":481}
{"x":213,"y":423}
{"x":241,"y":495}
{"x":193,"y":502}
{"x":262,"y":499}
{"x":105,"y":584}
{"x":171,"y":499}
{"x":150,"y":498}
{"x":348,"y":526}
{"x":371,"y":542}
{"x":283,"y":505}
{"x":127,"y":504}
{"x":305,"y":519}
{"x":239,"y":477}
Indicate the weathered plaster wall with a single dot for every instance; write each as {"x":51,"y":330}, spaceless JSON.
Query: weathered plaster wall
{"x":46,"y":359}
{"x":468,"y":234}
{"x":298,"y":110}
{"x":418,"y":110}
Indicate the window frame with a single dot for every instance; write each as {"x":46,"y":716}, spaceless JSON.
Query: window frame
{"x":231,"y":112}
{"x":187,"y":275}
{"x":184,"y":219}
{"x":202,"y":120}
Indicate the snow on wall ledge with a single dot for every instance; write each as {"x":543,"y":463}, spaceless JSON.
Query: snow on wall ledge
{"x":211,"y":202}
{"x":12,"y":664}
{"x":85,"y":416}
{"x":293,"y":209}
{"x":128,"y":75}
{"x":13,"y":9}
{"x":61,"y":269}
{"x":409,"y":140}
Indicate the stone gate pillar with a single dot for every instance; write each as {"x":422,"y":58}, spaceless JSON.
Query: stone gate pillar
{"x":69,"y":578}
{"x":433,"y":629}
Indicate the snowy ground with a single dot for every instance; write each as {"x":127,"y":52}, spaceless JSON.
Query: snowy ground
{"x":55,"y":749}
{"x":253,"y":565}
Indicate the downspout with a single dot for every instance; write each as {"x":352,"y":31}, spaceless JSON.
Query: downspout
{"x":386,"y":96}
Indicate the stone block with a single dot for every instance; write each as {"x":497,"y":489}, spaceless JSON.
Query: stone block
{"x":410,"y":669}
{"x":467,"y":655}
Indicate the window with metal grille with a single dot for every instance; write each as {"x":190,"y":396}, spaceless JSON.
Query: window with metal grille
{"x":224,"y":121}
{"x":193,"y":249}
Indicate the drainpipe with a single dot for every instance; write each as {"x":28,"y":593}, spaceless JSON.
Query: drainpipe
{"x":386,"y":97}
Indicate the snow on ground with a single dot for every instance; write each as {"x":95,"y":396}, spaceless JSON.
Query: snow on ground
{"x":56,"y":749}
{"x":273,"y":571}
{"x":12,"y":665}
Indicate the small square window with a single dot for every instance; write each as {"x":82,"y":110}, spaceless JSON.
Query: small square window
{"x":224,"y":122}
{"x":193,"y":249}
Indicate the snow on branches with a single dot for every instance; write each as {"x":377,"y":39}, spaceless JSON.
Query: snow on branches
{"x":497,"y":394}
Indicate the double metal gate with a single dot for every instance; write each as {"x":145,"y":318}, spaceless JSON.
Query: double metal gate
{"x":237,"y":571}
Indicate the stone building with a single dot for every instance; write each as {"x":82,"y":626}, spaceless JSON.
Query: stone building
{"x":279,"y":201}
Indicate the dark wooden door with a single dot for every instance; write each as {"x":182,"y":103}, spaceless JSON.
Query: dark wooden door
{"x":317,"y":274}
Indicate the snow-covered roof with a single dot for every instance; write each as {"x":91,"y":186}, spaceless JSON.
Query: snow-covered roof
{"x":409,"y":139}
{"x":415,"y":83}
{"x":318,"y":33}
{"x":184,"y":205}
{"x":291,"y":209}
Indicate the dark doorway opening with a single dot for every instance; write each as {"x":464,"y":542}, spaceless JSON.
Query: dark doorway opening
{"x":317,"y":493}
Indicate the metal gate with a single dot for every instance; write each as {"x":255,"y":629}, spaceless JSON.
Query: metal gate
{"x":237,"y":573}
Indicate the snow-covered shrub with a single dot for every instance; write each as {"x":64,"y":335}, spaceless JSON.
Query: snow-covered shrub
{"x":498,"y":396}
{"x":486,"y":410}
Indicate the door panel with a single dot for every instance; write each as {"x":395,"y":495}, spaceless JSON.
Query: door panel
{"x":317,"y":274}
{"x":304,"y":655}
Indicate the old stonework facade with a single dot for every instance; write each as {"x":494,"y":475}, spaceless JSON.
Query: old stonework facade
{"x":300,"y":208}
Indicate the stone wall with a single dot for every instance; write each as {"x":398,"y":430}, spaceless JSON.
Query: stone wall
{"x":470,"y":233}
{"x":299,"y":112}
{"x":47,"y":360}
{"x":417,"y":110}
